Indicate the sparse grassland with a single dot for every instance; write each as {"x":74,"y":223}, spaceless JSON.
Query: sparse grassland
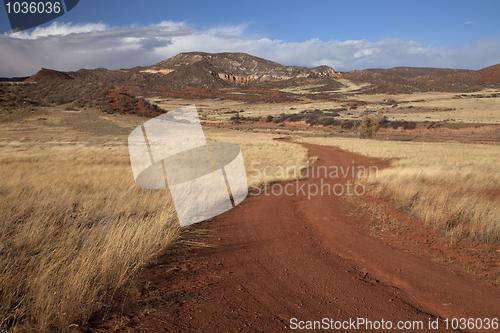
{"x":74,"y":227}
{"x":452,"y":187}
{"x":472,"y":108}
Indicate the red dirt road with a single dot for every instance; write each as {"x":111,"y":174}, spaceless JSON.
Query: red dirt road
{"x":274,"y":258}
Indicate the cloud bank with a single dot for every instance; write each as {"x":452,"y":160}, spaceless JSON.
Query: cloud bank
{"x":69,"y":47}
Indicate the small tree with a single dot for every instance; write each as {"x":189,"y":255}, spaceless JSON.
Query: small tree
{"x":370,"y":125}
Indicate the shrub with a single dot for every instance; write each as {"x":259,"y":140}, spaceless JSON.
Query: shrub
{"x":296,"y":117}
{"x":434,"y":125}
{"x":312,"y":121}
{"x":235,"y":118}
{"x":108,"y":109}
{"x":384,"y":122}
{"x":369,"y":126}
{"x":409,"y":125}
{"x":255,"y":119}
{"x":348,"y":124}
{"x":328,"y":121}
{"x":280,"y":119}
{"x":396,"y":124}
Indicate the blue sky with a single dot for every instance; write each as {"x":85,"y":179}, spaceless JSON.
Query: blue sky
{"x":343,"y":34}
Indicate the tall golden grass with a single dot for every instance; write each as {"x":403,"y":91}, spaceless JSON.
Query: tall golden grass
{"x":74,"y":227}
{"x":452,"y":187}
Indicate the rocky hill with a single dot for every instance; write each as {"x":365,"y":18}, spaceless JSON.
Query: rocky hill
{"x":490,"y":74}
{"x":45,"y":74}
{"x":198,"y":70}
{"x":239,"y":68}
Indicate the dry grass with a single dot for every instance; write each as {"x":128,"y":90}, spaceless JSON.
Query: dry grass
{"x":465,"y":110}
{"x":449,"y":186}
{"x":74,"y":227}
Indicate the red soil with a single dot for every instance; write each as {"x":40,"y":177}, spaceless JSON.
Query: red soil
{"x":115,"y":95}
{"x":274,"y":258}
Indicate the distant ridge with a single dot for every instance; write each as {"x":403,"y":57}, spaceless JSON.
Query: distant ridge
{"x":216,"y":71}
{"x":13,"y":79}
{"x":414,"y":79}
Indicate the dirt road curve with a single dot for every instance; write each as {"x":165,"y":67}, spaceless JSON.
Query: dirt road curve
{"x":274,"y":258}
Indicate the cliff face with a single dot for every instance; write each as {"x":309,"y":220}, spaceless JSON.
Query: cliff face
{"x":270,"y":77}
{"x":160,"y":71}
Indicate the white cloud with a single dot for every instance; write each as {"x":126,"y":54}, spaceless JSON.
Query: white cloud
{"x":73,"y":46}
{"x":57,"y":29}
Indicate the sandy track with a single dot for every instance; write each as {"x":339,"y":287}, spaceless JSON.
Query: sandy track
{"x":274,"y":258}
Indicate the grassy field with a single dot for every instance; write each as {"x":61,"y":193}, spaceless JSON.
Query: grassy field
{"x":74,"y":227}
{"x":451,"y":187}
{"x":478,"y":108}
